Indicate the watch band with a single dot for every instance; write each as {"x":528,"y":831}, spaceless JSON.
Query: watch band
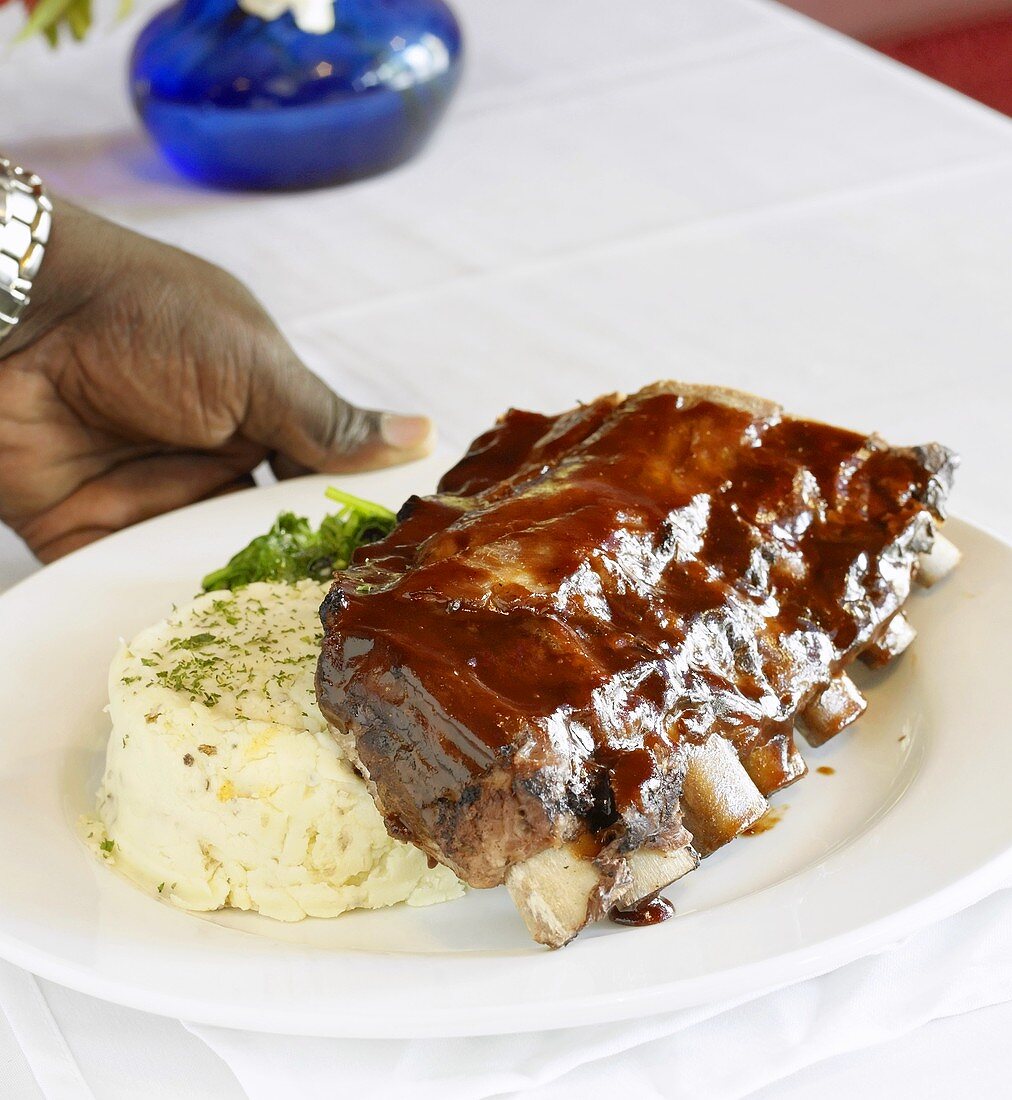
{"x":26,"y":216}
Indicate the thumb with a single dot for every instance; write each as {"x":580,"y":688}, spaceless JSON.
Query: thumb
{"x":308,"y":427}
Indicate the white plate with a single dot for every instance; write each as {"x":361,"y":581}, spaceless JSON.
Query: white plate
{"x":912,"y":825}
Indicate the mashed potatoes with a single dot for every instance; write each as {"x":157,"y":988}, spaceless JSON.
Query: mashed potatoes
{"x":222,"y":785}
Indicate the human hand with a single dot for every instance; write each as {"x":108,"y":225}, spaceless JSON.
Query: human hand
{"x":142,"y":378}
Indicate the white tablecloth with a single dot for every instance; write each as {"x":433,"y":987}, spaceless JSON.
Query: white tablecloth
{"x":712,"y":190}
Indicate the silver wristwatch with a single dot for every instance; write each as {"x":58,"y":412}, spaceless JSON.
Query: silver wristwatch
{"x":26,"y":216}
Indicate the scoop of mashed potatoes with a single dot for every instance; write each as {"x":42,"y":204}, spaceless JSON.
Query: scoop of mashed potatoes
{"x":222,"y":785}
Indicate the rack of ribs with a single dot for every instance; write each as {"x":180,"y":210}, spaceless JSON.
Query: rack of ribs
{"x":577,"y":667}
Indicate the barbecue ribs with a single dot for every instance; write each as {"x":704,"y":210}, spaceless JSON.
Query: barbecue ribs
{"x":576,"y":668}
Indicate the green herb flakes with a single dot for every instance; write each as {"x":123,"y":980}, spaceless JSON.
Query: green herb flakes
{"x":195,"y":641}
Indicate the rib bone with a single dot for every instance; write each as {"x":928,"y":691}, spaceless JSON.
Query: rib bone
{"x":938,"y":562}
{"x":719,"y":798}
{"x":839,"y":705}
{"x":897,"y":637}
{"x":652,"y":870}
{"x":775,"y":764}
{"x":557,"y":892}
{"x":553,"y":891}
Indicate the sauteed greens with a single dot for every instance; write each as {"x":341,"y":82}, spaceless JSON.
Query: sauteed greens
{"x":293,"y":550}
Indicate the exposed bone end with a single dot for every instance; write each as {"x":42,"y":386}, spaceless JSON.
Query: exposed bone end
{"x":553,"y":891}
{"x":938,"y":562}
{"x":897,"y":637}
{"x":652,"y":870}
{"x":557,"y":892}
{"x":839,"y":705}
{"x":775,"y":764}
{"x":719,"y":799}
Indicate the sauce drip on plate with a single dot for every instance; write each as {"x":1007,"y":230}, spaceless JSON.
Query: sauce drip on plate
{"x":651,"y":910}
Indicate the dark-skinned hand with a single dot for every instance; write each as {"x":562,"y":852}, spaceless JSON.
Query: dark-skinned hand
{"x":142,"y":378}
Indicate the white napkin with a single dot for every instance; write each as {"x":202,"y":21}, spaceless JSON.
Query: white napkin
{"x":46,"y":1067}
{"x":719,"y":1051}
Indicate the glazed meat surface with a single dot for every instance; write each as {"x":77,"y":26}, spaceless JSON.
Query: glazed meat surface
{"x":577,"y":667}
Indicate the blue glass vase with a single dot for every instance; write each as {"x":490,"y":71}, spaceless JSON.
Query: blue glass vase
{"x":236,"y":101}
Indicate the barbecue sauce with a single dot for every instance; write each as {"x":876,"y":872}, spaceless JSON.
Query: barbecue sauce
{"x":769,"y":820}
{"x":647,"y":911}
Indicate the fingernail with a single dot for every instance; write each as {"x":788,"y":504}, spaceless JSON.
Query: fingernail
{"x":406,"y":433}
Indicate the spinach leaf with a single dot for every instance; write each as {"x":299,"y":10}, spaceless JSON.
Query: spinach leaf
{"x":293,"y":550}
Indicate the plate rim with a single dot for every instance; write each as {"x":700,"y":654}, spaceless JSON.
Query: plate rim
{"x":735,"y":985}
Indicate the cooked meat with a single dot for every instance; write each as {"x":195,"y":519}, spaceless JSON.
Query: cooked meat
{"x":577,"y":667}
